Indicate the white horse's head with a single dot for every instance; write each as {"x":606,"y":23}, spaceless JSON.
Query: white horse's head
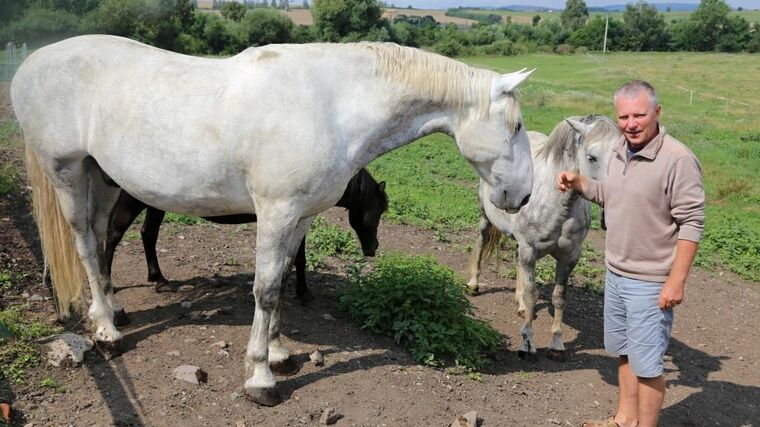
{"x":497,"y":145}
{"x":599,"y":138}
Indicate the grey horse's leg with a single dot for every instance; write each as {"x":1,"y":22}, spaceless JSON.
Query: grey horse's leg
{"x":526,"y":270}
{"x":277,"y":240}
{"x":565,"y":267}
{"x":477,"y":252}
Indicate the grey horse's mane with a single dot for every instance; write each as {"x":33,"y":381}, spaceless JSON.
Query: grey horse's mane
{"x":444,"y":80}
{"x":561,"y":147}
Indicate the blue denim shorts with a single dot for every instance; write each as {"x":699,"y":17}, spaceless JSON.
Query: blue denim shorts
{"x":634,"y":325}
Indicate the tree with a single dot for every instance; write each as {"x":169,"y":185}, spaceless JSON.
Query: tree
{"x":644,"y":28}
{"x":336,"y":19}
{"x":264,"y":26}
{"x":233,"y":10}
{"x":575,"y":15}
{"x":592,"y":34}
{"x":710,"y":28}
{"x":306,"y":4}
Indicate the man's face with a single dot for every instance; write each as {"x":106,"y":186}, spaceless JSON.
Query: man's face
{"x":637,"y":118}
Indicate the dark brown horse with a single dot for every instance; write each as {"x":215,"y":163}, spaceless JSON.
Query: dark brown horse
{"x":364,"y":198}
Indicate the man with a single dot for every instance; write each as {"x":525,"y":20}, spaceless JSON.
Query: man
{"x":653,"y":202}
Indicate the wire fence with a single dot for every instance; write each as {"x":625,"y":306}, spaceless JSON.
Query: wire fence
{"x":11,"y":59}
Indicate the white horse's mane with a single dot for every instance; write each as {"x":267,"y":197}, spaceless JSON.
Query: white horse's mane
{"x":561,"y":148}
{"x":442,"y":79}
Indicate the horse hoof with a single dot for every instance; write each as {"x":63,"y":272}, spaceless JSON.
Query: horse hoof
{"x":120,"y":318}
{"x":286,"y":367}
{"x":109,"y":349}
{"x":162,"y":287}
{"x":556,"y":355}
{"x":527,"y":356}
{"x":264,"y":396}
{"x":306,"y":298}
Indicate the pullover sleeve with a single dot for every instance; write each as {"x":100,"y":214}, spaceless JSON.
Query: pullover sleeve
{"x":687,"y":203}
{"x":594,"y":191}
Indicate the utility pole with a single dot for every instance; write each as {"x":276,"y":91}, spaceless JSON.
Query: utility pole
{"x":606,"y":25}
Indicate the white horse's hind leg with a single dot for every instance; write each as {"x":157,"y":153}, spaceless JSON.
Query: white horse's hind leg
{"x":527,"y":269}
{"x":477,"y":253}
{"x":273,"y":243}
{"x":78,"y":201}
{"x":102,"y":199}
{"x":279,"y":356}
{"x":556,"y":349}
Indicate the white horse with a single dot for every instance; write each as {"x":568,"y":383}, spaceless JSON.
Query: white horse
{"x":552,"y":223}
{"x":277,"y":131}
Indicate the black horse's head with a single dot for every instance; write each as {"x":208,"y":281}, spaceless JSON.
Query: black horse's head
{"x":366,"y":201}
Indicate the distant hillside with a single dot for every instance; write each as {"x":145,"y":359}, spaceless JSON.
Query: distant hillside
{"x":662,"y":7}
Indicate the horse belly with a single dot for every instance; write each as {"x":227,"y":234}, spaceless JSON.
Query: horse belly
{"x":195,"y":185}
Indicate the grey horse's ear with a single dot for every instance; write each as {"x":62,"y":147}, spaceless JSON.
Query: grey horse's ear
{"x":577,"y":126}
{"x":506,"y":83}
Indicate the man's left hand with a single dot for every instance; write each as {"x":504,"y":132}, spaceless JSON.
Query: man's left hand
{"x":671,"y":294}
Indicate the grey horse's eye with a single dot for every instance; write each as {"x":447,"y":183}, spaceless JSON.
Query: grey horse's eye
{"x":592,"y":159}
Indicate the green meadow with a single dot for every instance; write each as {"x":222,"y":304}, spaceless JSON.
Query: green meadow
{"x":710,"y":101}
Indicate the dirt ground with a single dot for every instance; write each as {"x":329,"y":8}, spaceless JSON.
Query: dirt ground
{"x":712,"y":368}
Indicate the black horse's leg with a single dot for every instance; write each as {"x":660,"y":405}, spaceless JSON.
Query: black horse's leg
{"x":149,"y":232}
{"x":302,"y":291}
{"x":124,"y":213}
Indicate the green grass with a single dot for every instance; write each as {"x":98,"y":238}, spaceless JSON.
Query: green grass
{"x":17,"y":352}
{"x":328,"y":240}
{"x":429,"y":184}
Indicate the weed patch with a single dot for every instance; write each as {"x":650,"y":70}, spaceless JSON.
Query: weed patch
{"x":423,"y":306}
{"x":9,"y":179}
{"x":328,"y":240}
{"x":17,"y":353}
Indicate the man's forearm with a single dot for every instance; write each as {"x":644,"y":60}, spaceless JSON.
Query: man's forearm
{"x":685,"y":252}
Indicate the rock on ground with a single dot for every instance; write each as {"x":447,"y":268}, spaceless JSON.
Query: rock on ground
{"x":68,"y":348}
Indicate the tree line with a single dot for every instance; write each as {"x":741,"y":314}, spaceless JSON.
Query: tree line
{"x":179,"y":26}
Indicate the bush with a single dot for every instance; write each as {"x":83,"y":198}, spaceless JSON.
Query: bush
{"x":500,"y":47}
{"x":423,"y":307}
{"x":563,"y":49}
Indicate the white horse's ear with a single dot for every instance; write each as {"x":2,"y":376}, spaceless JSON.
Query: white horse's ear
{"x":506,"y":83}
{"x":579,"y":127}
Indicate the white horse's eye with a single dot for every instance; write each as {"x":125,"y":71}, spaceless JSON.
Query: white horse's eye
{"x":591,"y":158}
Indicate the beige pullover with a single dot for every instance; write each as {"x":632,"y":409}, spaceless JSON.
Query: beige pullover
{"x":650,"y":202}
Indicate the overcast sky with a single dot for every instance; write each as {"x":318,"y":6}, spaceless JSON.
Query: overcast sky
{"x":445,"y":4}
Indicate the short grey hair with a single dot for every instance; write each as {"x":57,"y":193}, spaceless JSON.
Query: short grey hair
{"x":633,"y":88}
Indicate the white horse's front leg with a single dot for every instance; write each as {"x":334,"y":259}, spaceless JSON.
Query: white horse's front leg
{"x":273,"y":242}
{"x":279,"y":356}
{"x":556,"y":349}
{"x":526,"y":270}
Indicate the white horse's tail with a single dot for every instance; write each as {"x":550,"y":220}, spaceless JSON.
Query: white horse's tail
{"x":56,"y":238}
{"x":491,"y":244}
